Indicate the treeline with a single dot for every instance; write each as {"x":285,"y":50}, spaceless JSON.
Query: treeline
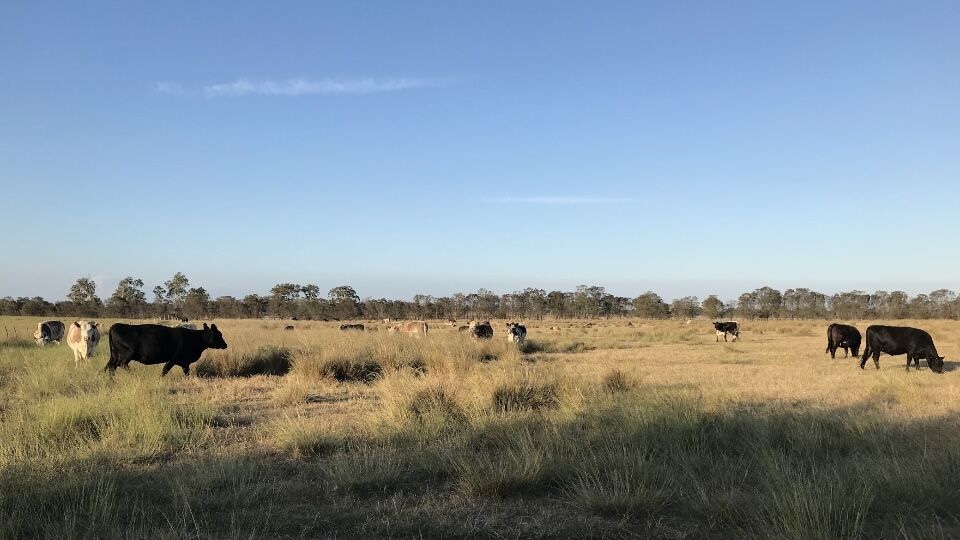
{"x":177,"y":298}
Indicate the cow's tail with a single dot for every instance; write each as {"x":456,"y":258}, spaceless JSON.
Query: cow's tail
{"x":829,"y":337}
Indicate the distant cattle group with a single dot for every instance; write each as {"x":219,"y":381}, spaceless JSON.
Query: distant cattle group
{"x":183,"y":344}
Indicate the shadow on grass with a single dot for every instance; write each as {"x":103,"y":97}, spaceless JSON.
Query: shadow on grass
{"x":662,"y":463}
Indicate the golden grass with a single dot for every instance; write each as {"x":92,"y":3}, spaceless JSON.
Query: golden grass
{"x":605,"y":429}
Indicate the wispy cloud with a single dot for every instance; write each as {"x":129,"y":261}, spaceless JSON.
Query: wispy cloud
{"x":302,"y":87}
{"x":566,"y":200}
{"x":173,"y":89}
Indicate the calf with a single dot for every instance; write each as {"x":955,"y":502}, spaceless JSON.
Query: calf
{"x":516,"y":332}
{"x":896,"y":340}
{"x":727,"y":327}
{"x":843,"y":336}
{"x":156,"y":344}
{"x":83,"y":338}
{"x":351,"y":327}
{"x":47,"y":332}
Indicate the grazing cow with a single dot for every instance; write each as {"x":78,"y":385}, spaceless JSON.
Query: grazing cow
{"x":156,"y":344}
{"x":48,"y":331}
{"x":516,"y":332}
{"x":481,"y":330}
{"x":411,"y":328}
{"x":727,"y":327}
{"x":288,"y":327}
{"x":83,"y":338}
{"x":351,"y":328}
{"x":896,"y":340}
{"x":843,"y":336}
{"x":187,"y":325}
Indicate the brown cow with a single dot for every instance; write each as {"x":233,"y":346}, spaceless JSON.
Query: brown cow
{"x":411,"y":328}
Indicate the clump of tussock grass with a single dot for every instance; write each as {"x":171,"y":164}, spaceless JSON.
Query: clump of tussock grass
{"x":301,"y":438}
{"x":347,"y":370}
{"x":618,"y":382}
{"x":264,"y":360}
{"x":436,"y":404}
{"x":525,"y":395}
{"x":17,"y":343}
{"x":633,"y":488}
{"x":131,"y":420}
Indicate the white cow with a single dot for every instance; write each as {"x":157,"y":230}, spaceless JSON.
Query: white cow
{"x":83,"y":338}
{"x":516,"y":332}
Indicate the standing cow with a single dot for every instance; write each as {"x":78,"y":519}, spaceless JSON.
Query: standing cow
{"x":157,"y":344}
{"x":351,"y":328}
{"x":83,"y":338}
{"x":727,"y":327}
{"x":896,"y":340}
{"x":48,"y":331}
{"x":516,"y":332}
{"x":411,"y":328}
{"x":843,"y":336}
{"x":481,"y":330}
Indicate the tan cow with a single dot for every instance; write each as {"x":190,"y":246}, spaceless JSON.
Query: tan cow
{"x":411,"y":328}
{"x":83,"y":338}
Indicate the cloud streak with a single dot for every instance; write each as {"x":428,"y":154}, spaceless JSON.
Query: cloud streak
{"x":566,"y":200}
{"x":328,"y":86}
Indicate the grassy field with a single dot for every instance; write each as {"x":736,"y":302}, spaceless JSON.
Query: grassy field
{"x":598,"y":429}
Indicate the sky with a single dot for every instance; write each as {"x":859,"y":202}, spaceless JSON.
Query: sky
{"x":685,"y":147}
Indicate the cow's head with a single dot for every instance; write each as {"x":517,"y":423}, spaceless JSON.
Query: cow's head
{"x":716,"y":326}
{"x":936,"y":363}
{"x":213,"y":337}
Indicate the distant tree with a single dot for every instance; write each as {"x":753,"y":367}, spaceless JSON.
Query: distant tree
{"x":196,"y":303}
{"x":283,"y":296}
{"x":128,"y":299}
{"x":177,"y":288}
{"x":344,"y":301}
{"x":649,"y":305}
{"x":254,"y":305}
{"x":713,"y":308}
{"x":83,"y":296}
{"x":227,"y":307}
{"x":687,"y":307}
{"x":557,"y":304}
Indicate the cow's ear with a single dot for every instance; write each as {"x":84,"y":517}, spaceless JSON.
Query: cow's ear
{"x":213,"y":326}
{"x":205,"y":327}
{"x":76,"y":323}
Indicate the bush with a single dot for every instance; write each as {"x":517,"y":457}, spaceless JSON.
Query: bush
{"x":267,"y":360}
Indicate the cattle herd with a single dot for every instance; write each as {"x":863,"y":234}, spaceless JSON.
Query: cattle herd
{"x":183,"y":344}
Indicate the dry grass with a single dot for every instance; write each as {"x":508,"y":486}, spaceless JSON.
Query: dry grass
{"x":651,"y":430}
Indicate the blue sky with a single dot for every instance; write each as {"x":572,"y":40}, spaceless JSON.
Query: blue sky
{"x":405,"y":147}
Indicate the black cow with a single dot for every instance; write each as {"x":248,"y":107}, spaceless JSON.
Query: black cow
{"x":482,"y":330}
{"x":288,"y":327}
{"x":351,"y":327}
{"x":727,"y":327}
{"x":843,"y":336}
{"x":894,"y":340}
{"x":156,"y":344}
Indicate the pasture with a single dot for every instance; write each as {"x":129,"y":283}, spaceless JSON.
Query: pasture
{"x":598,"y":429}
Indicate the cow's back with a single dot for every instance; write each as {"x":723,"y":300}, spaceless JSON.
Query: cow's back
{"x":894,"y":340}
{"x":146,"y":343}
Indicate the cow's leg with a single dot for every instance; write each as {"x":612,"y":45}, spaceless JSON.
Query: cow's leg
{"x":876,"y":359}
{"x":167,"y":367}
{"x":724,"y":336}
{"x":846,"y":352}
{"x":866,"y":354}
{"x":908,"y":361}
{"x":186,"y":369}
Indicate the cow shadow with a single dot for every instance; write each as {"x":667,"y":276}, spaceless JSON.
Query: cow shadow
{"x":949,"y":365}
